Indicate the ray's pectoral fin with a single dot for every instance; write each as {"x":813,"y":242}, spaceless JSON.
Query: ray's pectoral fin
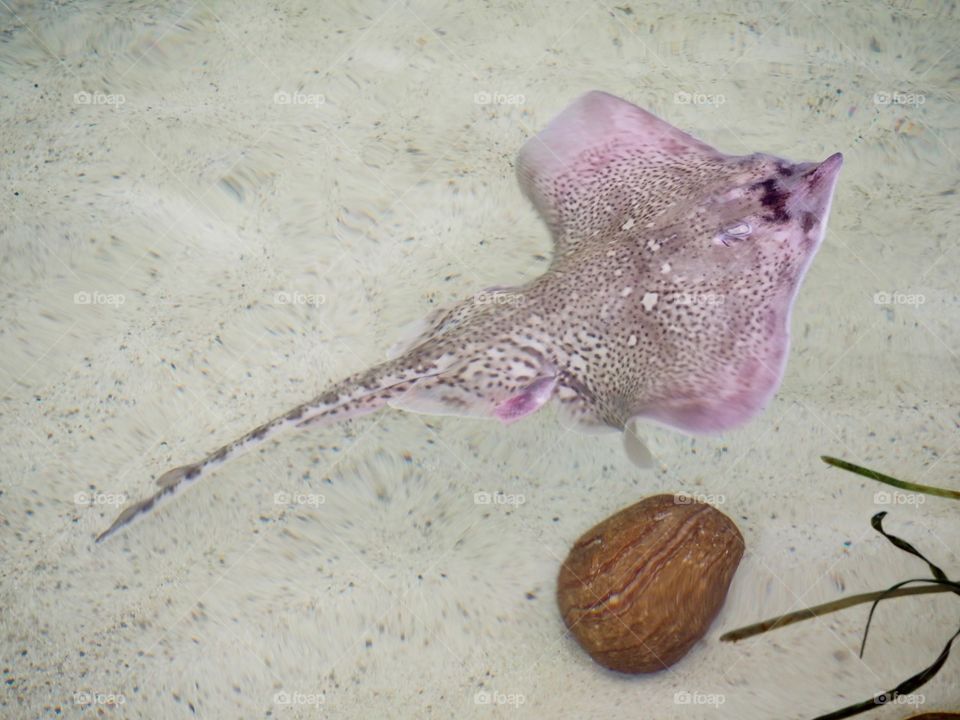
{"x":726,"y":397}
{"x":471,"y":390}
{"x":600,"y":163}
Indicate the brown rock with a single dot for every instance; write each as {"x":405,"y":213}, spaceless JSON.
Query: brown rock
{"x":639,"y":589}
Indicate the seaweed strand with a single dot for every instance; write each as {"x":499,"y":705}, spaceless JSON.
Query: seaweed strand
{"x":796,"y":616}
{"x":905,"y":688}
{"x":887,"y":480}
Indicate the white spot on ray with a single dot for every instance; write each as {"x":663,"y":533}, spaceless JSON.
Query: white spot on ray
{"x":653,"y":245}
{"x":626,"y":291}
{"x":665,"y":268}
{"x":649,"y":300}
{"x":632,"y":341}
{"x":628,"y":224}
{"x":618,"y":272}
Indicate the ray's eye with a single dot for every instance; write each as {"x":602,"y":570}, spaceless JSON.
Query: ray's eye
{"x":733,"y":233}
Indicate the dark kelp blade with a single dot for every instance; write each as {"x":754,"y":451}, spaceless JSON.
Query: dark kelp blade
{"x":877,"y":522}
{"x":920,"y":679}
{"x":895,"y":591}
{"x":941,"y":583}
{"x":904,"y":688}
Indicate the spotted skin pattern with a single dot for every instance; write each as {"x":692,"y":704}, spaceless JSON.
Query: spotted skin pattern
{"x":668,"y":299}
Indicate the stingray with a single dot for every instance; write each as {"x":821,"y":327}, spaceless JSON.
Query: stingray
{"x":668,"y":298}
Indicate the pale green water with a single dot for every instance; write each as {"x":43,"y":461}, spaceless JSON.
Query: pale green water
{"x":150,"y":165}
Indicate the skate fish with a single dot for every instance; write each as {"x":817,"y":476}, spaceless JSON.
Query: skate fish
{"x":668,"y":299}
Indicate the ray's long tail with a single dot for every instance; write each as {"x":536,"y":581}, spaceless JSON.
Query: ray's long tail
{"x":356,"y":395}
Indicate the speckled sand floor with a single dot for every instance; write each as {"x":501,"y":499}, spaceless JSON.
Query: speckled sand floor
{"x":157,"y":195}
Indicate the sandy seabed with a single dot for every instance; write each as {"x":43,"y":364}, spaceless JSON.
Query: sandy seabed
{"x":209,"y":211}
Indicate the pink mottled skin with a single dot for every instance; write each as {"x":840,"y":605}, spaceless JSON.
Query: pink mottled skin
{"x":674,"y":274}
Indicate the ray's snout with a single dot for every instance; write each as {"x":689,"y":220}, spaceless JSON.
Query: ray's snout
{"x":826,"y":172}
{"x":812,"y":187}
